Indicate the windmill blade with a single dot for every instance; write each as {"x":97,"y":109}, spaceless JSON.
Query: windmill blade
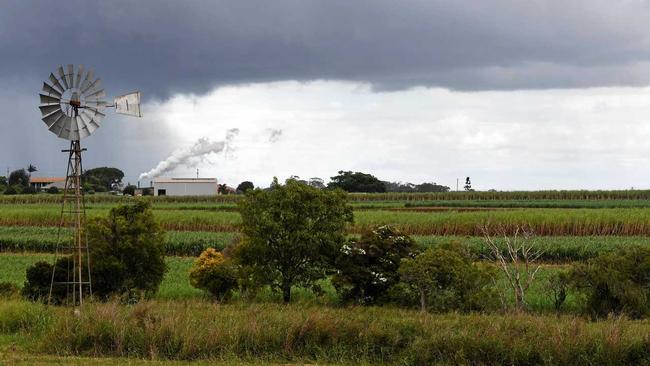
{"x":97,"y":84}
{"x":51,"y":119}
{"x":96,"y":95}
{"x":47,"y":109}
{"x":50,"y":90}
{"x":46,"y":99}
{"x":74,"y":129}
{"x":56,"y":84}
{"x":62,"y":77}
{"x":70,"y":75}
{"x":77,"y":80}
{"x":90,"y":123}
{"x":82,"y":127}
{"x":128,"y":104}
{"x":62,"y":127}
{"x":87,"y":79}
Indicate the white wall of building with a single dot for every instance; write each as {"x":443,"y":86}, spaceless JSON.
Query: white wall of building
{"x":185,"y":186}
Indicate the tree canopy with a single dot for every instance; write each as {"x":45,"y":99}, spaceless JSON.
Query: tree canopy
{"x":357,"y":182}
{"x":19,"y":178}
{"x":245,"y":186}
{"x":101,"y":179}
{"x":291,"y":233}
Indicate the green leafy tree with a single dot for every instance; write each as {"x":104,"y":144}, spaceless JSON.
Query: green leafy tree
{"x":245,"y":186}
{"x":3,"y":181}
{"x":101,"y":179}
{"x":446,"y":278}
{"x":129,"y":190}
{"x":367,"y":268}
{"x":19,"y":178}
{"x":291,"y":233}
{"x":617,"y":282}
{"x":127,"y":251}
{"x":357,"y":182}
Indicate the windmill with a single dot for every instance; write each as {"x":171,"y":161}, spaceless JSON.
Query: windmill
{"x":72,"y":107}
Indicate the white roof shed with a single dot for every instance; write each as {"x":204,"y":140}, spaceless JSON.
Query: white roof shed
{"x":184,"y":186}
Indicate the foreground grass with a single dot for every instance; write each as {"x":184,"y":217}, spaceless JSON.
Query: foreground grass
{"x":198,"y":330}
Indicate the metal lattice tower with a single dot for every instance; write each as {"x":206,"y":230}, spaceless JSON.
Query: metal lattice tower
{"x":72,"y":108}
{"x":73,"y":213}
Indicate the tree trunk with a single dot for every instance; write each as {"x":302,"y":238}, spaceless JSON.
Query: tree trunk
{"x":423,"y":301}
{"x":286,"y":291}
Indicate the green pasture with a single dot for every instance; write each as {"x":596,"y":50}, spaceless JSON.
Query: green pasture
{"x":176,"y":286}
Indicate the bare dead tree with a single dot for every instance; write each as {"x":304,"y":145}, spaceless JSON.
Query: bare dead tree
{"x":515,"y":257}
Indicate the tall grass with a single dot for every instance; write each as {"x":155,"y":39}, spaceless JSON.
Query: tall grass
{"x":269,"y":332}
{"x":547,"y":222}
{"x":359,"y":197}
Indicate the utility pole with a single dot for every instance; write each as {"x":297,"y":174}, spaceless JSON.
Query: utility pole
{"x":456,"y":184}
{"x":197,"y":173}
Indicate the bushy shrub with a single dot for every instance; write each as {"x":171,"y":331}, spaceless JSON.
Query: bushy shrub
{"x":11,"y":190}
{"x":557,"y":286}
{"x":127,"y":251}
{"x":212,"y":272}
{"x":52,"y":190}
{"x":129,"y":190}
{"x":447,"y":278}
{"x":617,"y":282}
{"x":39,"y":279}
{"x":367,"y":268}
{"x":8,"y":289}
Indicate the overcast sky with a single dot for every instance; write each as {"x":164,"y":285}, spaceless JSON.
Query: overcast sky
{"x":516,"y":94}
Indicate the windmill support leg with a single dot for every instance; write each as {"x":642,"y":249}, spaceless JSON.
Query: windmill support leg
{"x":73,"y":214}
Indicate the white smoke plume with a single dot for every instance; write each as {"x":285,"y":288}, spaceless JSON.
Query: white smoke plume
{"x":274,"y":134}
{"x":187,"y":156}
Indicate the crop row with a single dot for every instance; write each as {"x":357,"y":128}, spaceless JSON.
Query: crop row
{"x":191,"y":243}
{"x":545,"y":222}
{"x":363,"y":197}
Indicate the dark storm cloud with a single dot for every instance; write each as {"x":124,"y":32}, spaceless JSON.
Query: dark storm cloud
{"x":164,"y":47}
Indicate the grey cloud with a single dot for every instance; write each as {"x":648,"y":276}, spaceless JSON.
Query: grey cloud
{"x":164,"y":47}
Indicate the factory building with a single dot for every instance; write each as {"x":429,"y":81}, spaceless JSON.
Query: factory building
{"x":184,"y":186}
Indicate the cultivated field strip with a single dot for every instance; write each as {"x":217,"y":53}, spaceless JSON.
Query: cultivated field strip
{"x":543,"y":222}
{"x":558,"y":249}
{"x":361,"y":197}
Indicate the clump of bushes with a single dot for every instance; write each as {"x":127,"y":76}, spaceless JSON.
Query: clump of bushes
{"x":8,"y":290}
{"x":447,"y":278}
{"x":367,"y":268}
{"x":127,"y":256}
{"x":616,"y":283}
{"x":213,"y":273}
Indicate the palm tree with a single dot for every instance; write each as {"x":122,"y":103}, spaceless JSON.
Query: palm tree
{"x":31,"y":169}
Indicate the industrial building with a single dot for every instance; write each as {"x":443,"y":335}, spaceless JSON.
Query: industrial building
{"x":184,"y":186}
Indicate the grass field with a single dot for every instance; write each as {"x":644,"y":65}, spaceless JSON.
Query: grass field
{"x":198,"y":330}
{"x":181,"y":323}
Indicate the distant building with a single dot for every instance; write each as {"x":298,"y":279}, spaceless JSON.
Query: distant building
{"x":43,"y":183}
{"x":184,"y":186}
